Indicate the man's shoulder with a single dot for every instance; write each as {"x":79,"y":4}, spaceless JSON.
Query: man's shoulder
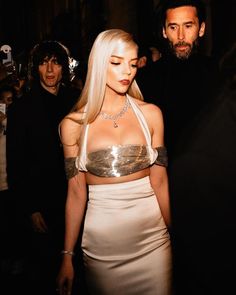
{"x":207,"y":60}
{"x":69,"y":91}
{"x":69,"y":95}
{"x":21,"y":102}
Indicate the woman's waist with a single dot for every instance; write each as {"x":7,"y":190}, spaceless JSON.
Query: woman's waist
{"x":96,"y":180}
{"x":121,"y":195}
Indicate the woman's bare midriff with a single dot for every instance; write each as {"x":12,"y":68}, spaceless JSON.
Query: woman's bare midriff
{"x":93,"y":179}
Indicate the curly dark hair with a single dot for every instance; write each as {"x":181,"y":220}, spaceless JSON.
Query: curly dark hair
{"x":49,"y":49}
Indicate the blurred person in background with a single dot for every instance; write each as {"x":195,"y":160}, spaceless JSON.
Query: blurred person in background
{"x":12,"y":260}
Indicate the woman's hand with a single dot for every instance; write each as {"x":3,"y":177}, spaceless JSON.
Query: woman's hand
{"x":65,"y":277}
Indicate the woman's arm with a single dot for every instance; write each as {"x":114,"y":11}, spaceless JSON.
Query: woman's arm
{"x":159,"y":182}
{"x":158,"y":174}
{"x":75,"y":205}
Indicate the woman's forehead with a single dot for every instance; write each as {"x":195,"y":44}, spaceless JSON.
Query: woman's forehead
{"x":123,"y":49}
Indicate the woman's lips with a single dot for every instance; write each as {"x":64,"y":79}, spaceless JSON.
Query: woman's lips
{"x":124,"y":82}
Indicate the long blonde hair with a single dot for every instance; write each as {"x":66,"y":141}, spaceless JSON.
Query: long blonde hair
{"x":93,"y":92}
{"x":92,"y":96}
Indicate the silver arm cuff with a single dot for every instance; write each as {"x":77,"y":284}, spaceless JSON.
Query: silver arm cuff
{"x":162,"y":158}
{"x":70,"y":167}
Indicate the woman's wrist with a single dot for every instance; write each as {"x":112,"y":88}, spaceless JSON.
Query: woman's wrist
{"x":67,"y":252}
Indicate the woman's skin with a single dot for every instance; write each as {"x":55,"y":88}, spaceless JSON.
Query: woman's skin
{"x":121,"y":71}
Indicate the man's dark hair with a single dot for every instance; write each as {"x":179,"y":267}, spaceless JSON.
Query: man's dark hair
{"x":49,"y":49}
{"x":168,"y":4}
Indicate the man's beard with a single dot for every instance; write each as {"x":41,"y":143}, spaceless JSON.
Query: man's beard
{"x":183,"y":55}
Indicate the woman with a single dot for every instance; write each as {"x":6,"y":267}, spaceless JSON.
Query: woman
{"x":113,"y":142}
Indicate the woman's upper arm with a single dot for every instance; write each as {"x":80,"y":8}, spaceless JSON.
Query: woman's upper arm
{"x":156,"y":125}
{"x":69,"y":133}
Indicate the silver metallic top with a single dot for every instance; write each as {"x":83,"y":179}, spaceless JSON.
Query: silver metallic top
{"x":118,"y":160}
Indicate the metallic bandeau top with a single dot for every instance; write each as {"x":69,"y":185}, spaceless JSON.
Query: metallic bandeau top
{"x":120,"y":160}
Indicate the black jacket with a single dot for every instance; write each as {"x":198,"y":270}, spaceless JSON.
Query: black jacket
{"x":181,"y":88}
{"x":203,"y":201}
{"x":35,"y":164}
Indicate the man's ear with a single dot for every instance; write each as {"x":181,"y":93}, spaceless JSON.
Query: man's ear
{"x":142,"y":61}
{"x":202,"y":29}
{"x":164,"y":33}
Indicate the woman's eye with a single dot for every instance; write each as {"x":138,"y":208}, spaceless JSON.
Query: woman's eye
{"x":115,"y":63}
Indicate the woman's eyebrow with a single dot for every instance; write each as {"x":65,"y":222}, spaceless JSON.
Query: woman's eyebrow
{"x":135,"y":58}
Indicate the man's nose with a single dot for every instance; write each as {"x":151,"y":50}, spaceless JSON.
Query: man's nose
{"x":181,"y":34}
{"x":49,"y":67}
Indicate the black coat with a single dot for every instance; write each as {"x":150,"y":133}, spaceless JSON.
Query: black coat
{"x":180,"y":88}
{"x":35,"y":164}
{"x":203,"y":202}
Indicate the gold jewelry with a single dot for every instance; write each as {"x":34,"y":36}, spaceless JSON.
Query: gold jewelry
{"x":117,"y":116}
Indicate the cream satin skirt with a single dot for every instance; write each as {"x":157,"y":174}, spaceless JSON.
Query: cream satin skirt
{"x":126,"y":245}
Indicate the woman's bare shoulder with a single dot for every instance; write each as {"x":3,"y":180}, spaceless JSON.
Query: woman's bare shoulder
{"x":74,"y":117}
{"x":149,"y":109}
{"x":70,"y":127}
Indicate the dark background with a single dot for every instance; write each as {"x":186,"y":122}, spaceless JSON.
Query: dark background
{"x":77,"y":22}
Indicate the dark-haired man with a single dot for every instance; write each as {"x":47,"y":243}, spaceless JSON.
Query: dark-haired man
{"x":182,"y":81}
{"x":203,"y":190}
{"x":35,"y":160}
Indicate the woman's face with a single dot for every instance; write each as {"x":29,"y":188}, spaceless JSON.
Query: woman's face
{"x":122,"y":68}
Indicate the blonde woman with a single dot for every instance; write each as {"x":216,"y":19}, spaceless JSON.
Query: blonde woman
{"x":113,"y":145}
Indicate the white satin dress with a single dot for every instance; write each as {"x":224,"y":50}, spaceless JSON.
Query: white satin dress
{"x":126,"y":245}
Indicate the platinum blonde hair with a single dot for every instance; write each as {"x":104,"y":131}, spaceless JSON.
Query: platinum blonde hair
{"x":92,"y":96}
{"x":93,"y":93}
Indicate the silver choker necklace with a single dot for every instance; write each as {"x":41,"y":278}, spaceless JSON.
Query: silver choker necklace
{"x":117,"y":116}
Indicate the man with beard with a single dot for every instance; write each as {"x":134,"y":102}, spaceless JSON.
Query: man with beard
{"x":182,"y":81}
{"x":203,"y":190}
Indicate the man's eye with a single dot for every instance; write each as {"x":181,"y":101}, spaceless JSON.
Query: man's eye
{"x":44,"y":62}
